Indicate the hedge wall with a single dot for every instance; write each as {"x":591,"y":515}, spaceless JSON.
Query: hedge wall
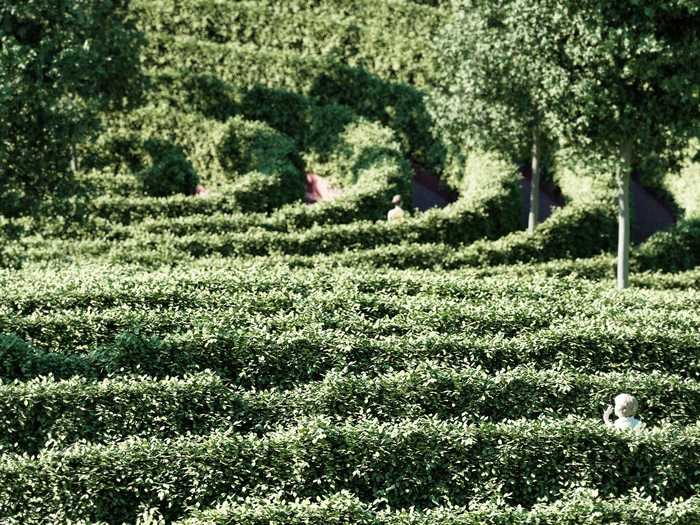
{"x":414,"y":463}
{"x":396,"y":105}
{"x":391,"y":39}
{"x":673,"y":250}
{"x":304,"y":353}
{"x":47,"y":413}
{"x":578,"y":507}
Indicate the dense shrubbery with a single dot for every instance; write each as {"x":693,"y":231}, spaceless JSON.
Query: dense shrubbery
{"x":488,"y":213}
{"x":60,"y":63}
{"x":261,"y":358}
{"x":335,"y":318}
{"x":170,"y":172}
{"x":366,"y":150}
{"x":580,"y":506}
{"x":576,"y":231}
{"x":385,"y":345}
{"x":46,"y":413}
{"x":398,"y":463}
{"x":400,"y":107}
{"x":389,"y":39}
{"x":674,"y":250}
{"x":167,"y":352}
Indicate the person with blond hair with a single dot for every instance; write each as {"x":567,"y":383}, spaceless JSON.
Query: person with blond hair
{"x":625,"y":409}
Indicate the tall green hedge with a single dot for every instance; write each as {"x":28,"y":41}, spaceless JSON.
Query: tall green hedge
{"x":674,"y":250}
{"x":391,"y":39}
{"x":578,"y":507}
{"x":397,"y":105}
{"x":46,"y":413}
{"x":418,"y":463}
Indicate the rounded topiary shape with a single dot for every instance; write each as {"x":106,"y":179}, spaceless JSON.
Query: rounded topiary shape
{"x":15,"y":353}
{"x":117,"y":149}
{"x":254,"y":146}
{"x":285,"y":111}
{"x":169,"y":173}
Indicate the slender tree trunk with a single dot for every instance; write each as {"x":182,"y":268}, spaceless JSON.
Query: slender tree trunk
{"x":73,"y":159}
{"x":623,"y":218}
{"x":534,"y":215}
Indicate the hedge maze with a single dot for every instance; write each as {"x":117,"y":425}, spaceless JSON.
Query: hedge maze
{"x":186,"y":340}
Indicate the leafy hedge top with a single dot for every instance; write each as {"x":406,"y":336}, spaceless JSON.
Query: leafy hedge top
{"x":579,"y":506}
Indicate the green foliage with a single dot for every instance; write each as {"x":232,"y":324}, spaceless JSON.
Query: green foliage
{"x":487,"y":210}
{"x":45,"y":413}
{"x":456,"y":225}
{"x":362,"y":146}
{"x":159,"y":166}
{"x":13,"y":354}
{"x":253,"y":146}
{"x":94,"y":482}
{"x":576,"y":231}
{"x":488,"y":89}
{"x":609,"y":84}
{"x":685,"y":187}
{"x":170,"y":172}
{"x":580,"y":506}
{"x":391,"y":39}
{"x":162,"y":353}
{"x":374,"y":153}
{"x":329,"y":317}
{"x":396,"y":105}
{"x":59,"y":63}
{"x":247,"y":147}
{"x":673,"y":250}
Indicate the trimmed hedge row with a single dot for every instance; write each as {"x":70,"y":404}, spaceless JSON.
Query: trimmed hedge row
{"x":350,"y":310}
{"x":256,"y":192}
{"x":576,"y":231}
{"x":578,"y":507}
{"x":412,"y":256}
{"x":414,"y":463}
{"x":348,"y":313}
{"x":674,"y":250}
{"x":460,"y":223}
{"x":391,"y":39}
{"x":262,"y":357}
{"x":255,"y":284}
{"x":441,"y":256}
{"x":46,"y":413}
{"x":396,"y":105}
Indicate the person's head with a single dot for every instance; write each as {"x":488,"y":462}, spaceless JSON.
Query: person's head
{"x":625,"y":405}
{"x":396,"y":201}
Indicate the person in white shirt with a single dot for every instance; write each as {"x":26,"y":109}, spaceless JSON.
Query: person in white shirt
{"x":396,"y":213}
{"x":625,"y":409}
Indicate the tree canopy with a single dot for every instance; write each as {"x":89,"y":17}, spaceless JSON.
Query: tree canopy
{"x":60,"y":62}
{"x":489,"y":94}
{"x":615,"y":81}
